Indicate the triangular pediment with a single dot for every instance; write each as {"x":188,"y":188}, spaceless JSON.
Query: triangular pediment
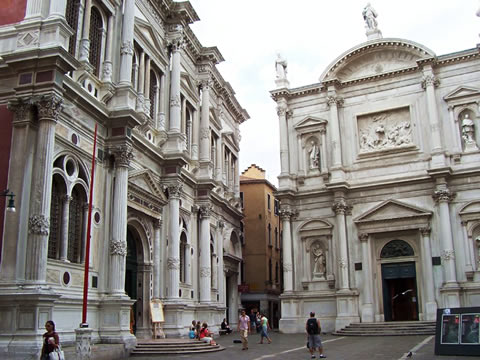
{"x":144,"y":181}
{"x":462,"y":92}
{"x":392,"y":210}
{"x":146,"y":32}
{"x":310,"y":122}
{"x":189,"y":84}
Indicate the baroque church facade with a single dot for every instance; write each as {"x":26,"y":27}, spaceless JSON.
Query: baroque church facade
{"x":166,"y":210}
{"x":380,"y":185}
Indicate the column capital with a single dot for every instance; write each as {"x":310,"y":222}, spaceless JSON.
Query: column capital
{"x":429,"y":80}
{"x":205,"y":84}
{"x":123,"y":155}
{"x":334,"y":100}
{"x":118,"y":247}
{"x":286,"y":213}
{"x":341,"y":207}
{"x":205,"y":211}
{"x":22,"y":108}
{"x":175,"y":190}
{"x":38,"y":224}
{"x":49,"y":106}
{"x":282,"y":109}
{"x":425,"y":231}
{"x":157,"y":223}
{"x":443,"y":195}
{"x":177,"y":43}
{"x":67,"y":198}
{"x":363,"y":237}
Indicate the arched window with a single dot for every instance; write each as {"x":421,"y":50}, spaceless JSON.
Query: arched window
{"x":58,"y":192}
{"x":183,"y":255}
{"x":75,"y":225}
{"x":396,"y":248}
{"x":153,"y":94}
{"x":71,"y":15}
{"x":96,"y":28}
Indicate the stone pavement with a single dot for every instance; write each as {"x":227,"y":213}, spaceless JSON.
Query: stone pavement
{"x":292,"y":346}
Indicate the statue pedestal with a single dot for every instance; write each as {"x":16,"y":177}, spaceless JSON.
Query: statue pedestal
{"x":374,"y":34}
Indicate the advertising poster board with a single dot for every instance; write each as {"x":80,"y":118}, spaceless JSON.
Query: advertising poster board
{"x":469,"y":332}
{"x":156,"y":310}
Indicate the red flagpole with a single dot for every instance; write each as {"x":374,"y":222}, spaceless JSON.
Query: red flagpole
{"x":87,"y":245}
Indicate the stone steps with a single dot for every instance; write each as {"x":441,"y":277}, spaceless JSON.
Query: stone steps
{"x":393,"y":328}
{"x":173,"y":347}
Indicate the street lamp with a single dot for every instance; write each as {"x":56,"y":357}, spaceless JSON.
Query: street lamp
{"x":11,"y":202}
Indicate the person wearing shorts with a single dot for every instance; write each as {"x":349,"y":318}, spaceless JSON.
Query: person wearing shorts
{"x":314,"y":329}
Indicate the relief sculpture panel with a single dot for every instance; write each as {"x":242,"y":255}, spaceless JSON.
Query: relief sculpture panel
{"x":385,"y":130}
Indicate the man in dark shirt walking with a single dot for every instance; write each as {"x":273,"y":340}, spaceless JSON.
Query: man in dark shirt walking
{"x":314,"y":329}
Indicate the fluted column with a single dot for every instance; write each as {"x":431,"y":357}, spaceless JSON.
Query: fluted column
{"x":107,"y":63}
{"x":49,"y":108}
{"x":175,"y":105}
{"x":126,"y":50}
{"x":118,"y":242}
{"x":429,"y":82}
{"x":205,"y":122}
{"x":430,"y":303}
{"x":85,"y":41}
{"x":65,"y":220}
{"x":205,"y":266}
{"x":173,"y":261}
{"x":57,"y":8}
{"x":282,"y":109}
{"x":157,"y":231}
{"x":340,"y":208}
{"x":367,"y":312}
{"x":286,"y":215}
{"x":443,"y":197}
{"x":334,"y":103}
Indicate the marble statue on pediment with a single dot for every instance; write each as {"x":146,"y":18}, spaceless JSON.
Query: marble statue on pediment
{"x":281,"y":72}
{"x":370,"y":17}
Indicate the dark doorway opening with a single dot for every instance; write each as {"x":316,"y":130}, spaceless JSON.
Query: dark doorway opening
{"x":400,"y":299}
{"x":131,"y":277}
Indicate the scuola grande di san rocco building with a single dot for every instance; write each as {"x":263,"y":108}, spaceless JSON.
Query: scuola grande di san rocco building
{"x":380,"y":184}
{"x":166,"y":211}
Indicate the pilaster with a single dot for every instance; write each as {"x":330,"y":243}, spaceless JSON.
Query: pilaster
{"x":286,"y":215}
{"x":367,"y":310}
{"x":173,"y":261}
{"x":430,"y":311}
{"x":205,"y":256}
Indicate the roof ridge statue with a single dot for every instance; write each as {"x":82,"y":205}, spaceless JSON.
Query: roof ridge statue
{"x":281,"y":72}
{"x":371,"y":24}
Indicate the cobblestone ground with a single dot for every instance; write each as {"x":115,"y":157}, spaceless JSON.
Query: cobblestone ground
{"x":288,"y":346}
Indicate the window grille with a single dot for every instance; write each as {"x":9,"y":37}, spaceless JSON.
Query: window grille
{"x":71,"y":15}
{"x":183,"y":249}
{"x":152,"y":93}
{"x":55,"y":217}
{"x":96,"y":26}
{"x":396,"y":248}
{"x":75,"y":227}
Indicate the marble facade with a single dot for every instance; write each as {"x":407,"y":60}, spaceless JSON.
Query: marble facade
{"x":391,"y":208}
{"x":166,"y":210}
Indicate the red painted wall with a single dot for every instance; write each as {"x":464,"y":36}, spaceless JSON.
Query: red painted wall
{"x":12,"y":11}
{"x":6,"y":118}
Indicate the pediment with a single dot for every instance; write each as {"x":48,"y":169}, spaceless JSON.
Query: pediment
{"x":375,"y":59}
{"x":144,"y":181}
{"x":471,"y":208}
{"x":312,"y":225}
{"x":144,"y":29}
{"x":462,"y":92}
{"x":392,"y":210}
{"x":190,"y":84}
{"x":310,"y":122}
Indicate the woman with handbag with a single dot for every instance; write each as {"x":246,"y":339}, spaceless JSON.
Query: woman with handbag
{"x":51,"y":343}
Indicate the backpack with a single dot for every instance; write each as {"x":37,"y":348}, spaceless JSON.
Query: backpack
{"x":312,"y":326}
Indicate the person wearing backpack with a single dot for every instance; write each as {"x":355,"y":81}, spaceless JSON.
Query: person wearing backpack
{"x":314,"y":329}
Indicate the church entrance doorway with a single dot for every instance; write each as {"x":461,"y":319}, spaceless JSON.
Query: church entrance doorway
{"x":131,"y":271}
{"x":400,"y":300}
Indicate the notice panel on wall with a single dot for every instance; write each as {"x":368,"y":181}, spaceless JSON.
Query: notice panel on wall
{"x":156,"y":310}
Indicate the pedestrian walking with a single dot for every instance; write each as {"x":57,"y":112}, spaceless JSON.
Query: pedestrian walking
{"x":258,"y":322}
{"x":51,"y":341}
{"x":314,"y":329}
{"x":244,"y":328}
{"x":253,"y":320}
{"x":265,"y":327}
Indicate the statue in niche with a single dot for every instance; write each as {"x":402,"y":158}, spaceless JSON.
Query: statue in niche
{"x":314,"y":156}
{"x":370,"y":17}
{"x":281,"y":67}
{"x":318,"y":261}
{"x":468,"y":133}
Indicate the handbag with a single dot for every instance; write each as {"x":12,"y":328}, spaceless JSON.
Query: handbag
{"x":57,"y":354}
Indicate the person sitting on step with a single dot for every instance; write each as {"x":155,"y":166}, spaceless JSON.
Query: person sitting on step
{"x":225,"y":327}
{"x":206,"y":335}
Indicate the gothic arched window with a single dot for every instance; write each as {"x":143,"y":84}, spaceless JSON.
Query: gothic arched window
{"x":75,"y":225}
{"x":396,"y":248}
{"x":96,"y":29}
{"x":58,"y":192}
{"x":71,"y":15}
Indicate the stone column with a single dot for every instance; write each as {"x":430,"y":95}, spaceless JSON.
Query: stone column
{"x":85,"y":41}
{"x":173,"y":261}
{"x":157,"y":231}
{"x":469,"y":250}
{"x":118,"y":242}
{"x":286,"y":215}
{"x":161,"y":103}
{"x":455,"y":129}
{"x":367,"y":312}
{"x":204,"y":244}
{"x":282,"y":118}
{"x":65,"y":217}
{"x":107,"y":63}
{"x":429,"y":82}
{"x":340,"y":208}
{"x":430,"y":303}
{"x":334,"y":103}
{"x":34,"y":9}
{"x":126,"y":50}
{"x":204,"y":156}
{"x":141,"y":83}
{"x":175,"y":106}
{"x":49,"y":108}
{"x":323,"y":150}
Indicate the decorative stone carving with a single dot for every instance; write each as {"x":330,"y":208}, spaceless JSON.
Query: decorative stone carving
{"x":123,"y":155}
{"x":205,"y":272}
{"x":49,"y":107}
{"x":363,"y":237}
{"x":281,"y":68}
{"x":281,"y":110}
{"x":204,"y":133}
{"x":448,"y":254}
{"x":334,"y":100}
{"x":177,"y":44}
{"x":430,"y":80}
{"x":385,"y":130}
{"x":107,"y":70}
{"x":287,"y":267}
{"x":340,"y":207}
{"x":342,"y":263}
{"x":286,"y":214}
{"x":468,"y":134}
{"x":157,"y":223}
{"x":425,"y":231}
{"x":175,"y":101}
{"x":314,"y":156}
{"x":126,"y":48}
{"x":38,"y":225}
{"x":21,"y":108}
{"x":319,"y":262}
{"x":173,"y":263}
{"x":205,"y":211}
{"x":370,"y":17}
{"x":118,"y":247}
{"x":206,"y":84}
{"x":443,"y":195}
{"x":396,"y":248}
{"x":29,"y":38}
{"x":175,"y":190}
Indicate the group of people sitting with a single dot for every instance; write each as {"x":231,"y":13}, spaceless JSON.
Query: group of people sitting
{"x":201,"y":332}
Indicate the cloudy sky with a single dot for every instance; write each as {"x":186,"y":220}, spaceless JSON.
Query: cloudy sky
{"x":310,"y":34}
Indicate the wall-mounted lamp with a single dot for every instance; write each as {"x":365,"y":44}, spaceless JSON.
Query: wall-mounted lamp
{"x":11,"y":202}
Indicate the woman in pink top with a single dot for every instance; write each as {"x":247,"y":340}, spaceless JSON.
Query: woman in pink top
{"x":244,"y":329}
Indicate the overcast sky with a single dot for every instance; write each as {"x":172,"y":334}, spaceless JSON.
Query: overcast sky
{"x":310,"y":34}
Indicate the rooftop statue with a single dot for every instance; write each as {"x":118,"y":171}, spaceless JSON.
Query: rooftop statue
{"x":281,"y":72}
{"x":370,"y":17}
